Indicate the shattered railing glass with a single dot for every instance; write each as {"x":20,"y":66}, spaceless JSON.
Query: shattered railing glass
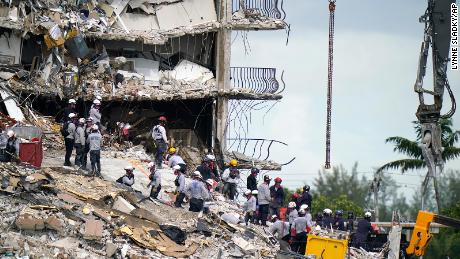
{"x":259,"y":80}
{"x":269,"y":8}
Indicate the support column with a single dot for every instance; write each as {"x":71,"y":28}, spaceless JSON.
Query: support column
{"x":223,"y":54}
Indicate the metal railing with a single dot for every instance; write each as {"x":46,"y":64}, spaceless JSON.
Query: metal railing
{"x":260,"y":80}
{"x":269,"y":8}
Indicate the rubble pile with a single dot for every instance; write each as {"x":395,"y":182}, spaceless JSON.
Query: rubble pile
{"x":55,"y":212}
{"x":253,"y":18}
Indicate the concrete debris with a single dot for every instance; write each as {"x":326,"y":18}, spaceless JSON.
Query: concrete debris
{"x":66,"y":243}
{"x":110,"y":249}
{"x":93,"y":230}
{"x":122,"y":205}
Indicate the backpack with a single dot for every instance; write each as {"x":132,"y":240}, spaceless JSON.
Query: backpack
{"x":64,"y":131}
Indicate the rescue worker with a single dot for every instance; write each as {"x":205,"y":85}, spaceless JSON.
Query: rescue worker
{"x":80,"y":142}
{"x":155,"y":181}
{"x":128,"y":178}
{"x":197,"y":192}
{"x":307,"y":216}
{"x":264,"y":200}
{"x":88,"y":130}
{"x":295,"y":198}
{"x":249,"y":207}
{"x":71,"y":108}
{"x":351,"y":221}
{"x":231,"y":177}
{"x":251,"y":182}
{"x":364,"y":228}
{"x":94,"y":141}
{"x":319,"y":219}
{"x":3,"y":140}
{"x":328,"y":221}
{"x":277,"y":197}
{"x":175,"y":159}
{"x":12,"y":147}
{"x":255,"y":219}
{"x":95,"y":113}
{"x":161,"y":141}
{"x":209,"y":186}
{"x":280,"y":229}
{"x":299,"y":234}
{"x":306,"y":197}
{"x":339,"y":223}
{"x":292,"y":212}
{"x":69,"y":140}
{"x":208,"y":169}
{"x":180,"y":186}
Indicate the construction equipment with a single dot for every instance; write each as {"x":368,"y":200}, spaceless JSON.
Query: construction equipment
{"x":324,"y":247}
{"x":421,"y":235}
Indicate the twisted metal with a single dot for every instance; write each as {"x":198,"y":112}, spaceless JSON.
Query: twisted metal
{"x":259,"y":80}
{"x":259,"y":147}
{"x":269,"y":8}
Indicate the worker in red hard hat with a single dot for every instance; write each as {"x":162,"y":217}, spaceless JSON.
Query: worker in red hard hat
{"x":295,"y":198}
{"x":161,"y":141}
{"x":277,"y":197}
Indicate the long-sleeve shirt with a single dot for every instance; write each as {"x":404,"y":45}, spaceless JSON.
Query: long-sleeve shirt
{"x":364,"y":228}
{"x":279,"y":227}
{"x":159,"y":133}
{"x":207,"y":172}
{"x":251,"y":183}
{"x":156,"y":179}
{"x":80,"y":135}
{"x":95,"y":141}
{"x":278,"y":196}
{"x":95,"y":114}
{"x":71,"y":130}
{"x":305,"y":198}
{"x":328,"y":222}
{"x":197,"y":190}
{"x":231,"y":175}
{"x":300,"y":225}
{"x":293,"y":215}
{"x":175,"y":160}
{"x":264,"y":194}
{"x":126,"y":180}
{"x":181,"y":180}
{"x":250,"y":205}
{"x":309,"y":219}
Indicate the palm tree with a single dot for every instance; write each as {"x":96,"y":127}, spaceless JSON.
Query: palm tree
{"x":412,"y":149}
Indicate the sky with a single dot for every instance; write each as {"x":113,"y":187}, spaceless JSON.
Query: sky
{"x":377,"y":45}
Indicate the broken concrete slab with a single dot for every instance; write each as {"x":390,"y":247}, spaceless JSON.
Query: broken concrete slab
{"x":185,"y":13}
{"x":54,"y":223}
{"x":93,"y":229}
{"x":29,"y":219}
{"x":122,"y":205}
{"x":110,"y":249}
{"x":66,"y":243}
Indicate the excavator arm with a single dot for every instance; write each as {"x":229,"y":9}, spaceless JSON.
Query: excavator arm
{"x":421,"y":235}
{"x":437,"y":36}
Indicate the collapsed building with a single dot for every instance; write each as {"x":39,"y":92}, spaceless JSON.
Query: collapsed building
{"x":145,"y":58}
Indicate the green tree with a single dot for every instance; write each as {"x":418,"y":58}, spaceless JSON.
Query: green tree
{"x":411,"y":149}
{"x":341,"y":202}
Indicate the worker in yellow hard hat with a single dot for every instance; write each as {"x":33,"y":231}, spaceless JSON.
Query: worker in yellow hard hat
{"x":172,"y":150}
{"x":175,"y":159}
{"x":231,"y":177}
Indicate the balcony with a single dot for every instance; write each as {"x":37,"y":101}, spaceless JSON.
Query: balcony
{"x":255,"y":79}
{"x":258,"y":15}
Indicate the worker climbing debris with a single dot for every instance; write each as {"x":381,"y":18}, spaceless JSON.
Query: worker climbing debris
{"x":175,"y":159}
{"x":155,"y":181}
{"x":161,"y":140}
{"x":128,"y":178}
{"x":249,"y":207}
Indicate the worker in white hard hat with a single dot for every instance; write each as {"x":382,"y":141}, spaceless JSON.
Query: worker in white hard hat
{"x":179,"y":182}
{"x":95,"y":112}
{"x":328,"y":220}
{"x":363,"y":230}
{"x":155,"y":181}
{"x":292,"y":212}
{"x":210,"y":187}
{"x":307,"y":216}
{"x":71,"y":108}
{"x":249,"y":207}
{"x":68,"y":132}
{"x":280,"y":229}
{"x":208,"y":168}
{"x":197,"y":192}
{"x":11,"y":151}
{"x":299,"y":233}
{"x":128,"y":178}
{"x":94,"y":140}
{"x":80,"y":141}
{"x":160,"y":139}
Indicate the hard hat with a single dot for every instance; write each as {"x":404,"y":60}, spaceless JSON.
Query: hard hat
{"x":81,"y":120}
{"x":255,"y":192}
{"x":303,"y":206}
{"x":254,"y":170}
{"x":72,"y":115}
{"x":151,"y":164}
{"x":176,"y":167}
{"x":368,"y":214}
{"x":278,"y":180}
{"x":96,"y":102}
{"x":172,"y":150}
{"x":197,"y":174}
{"x":10,"y":133}
{"x":301,"y":211}
{"x":295,"y":195}
{"x":162,"y":118}
{"x":339,"y":212}
{"x":247,"y":192}
{"x":95,"y":127}
{"x":129,"y":168}
{"x":327,"y":211}
{"x":72,"y":101}
{"x":98,"y":97}
{"x":233,"y":162}
{"x":274,"y":217}
{"x":209,"y":158}
{"x":306,"y":188}
{"x":291,"y":205}
{"x":267,"y":178}
{"x":210,"y":182}
{"x":89,"y":119}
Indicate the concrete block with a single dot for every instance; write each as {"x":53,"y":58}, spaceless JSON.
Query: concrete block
{"x":122,"y":205}
{"x":110,"y":249}
{"x":29,"y":220}
{"x":93,"y":229}
{"x":55,"y":223}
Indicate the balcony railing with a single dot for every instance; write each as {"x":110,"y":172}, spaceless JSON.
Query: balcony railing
{"x":269,"y":8}
{"x":259,"y":80}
